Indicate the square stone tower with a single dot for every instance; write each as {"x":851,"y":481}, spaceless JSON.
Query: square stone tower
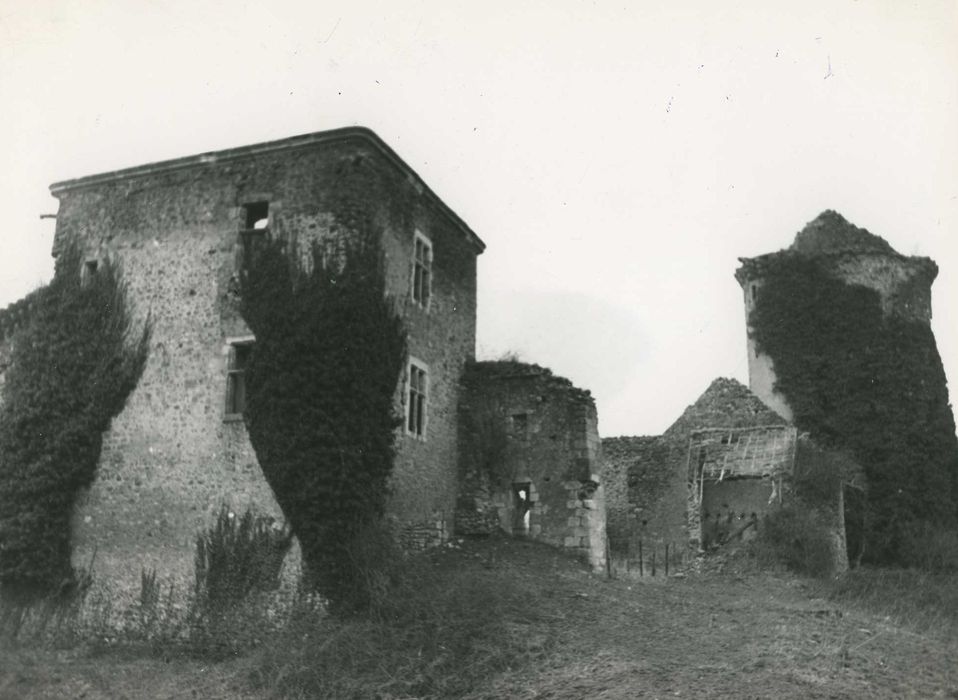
{"x":181,"y":230}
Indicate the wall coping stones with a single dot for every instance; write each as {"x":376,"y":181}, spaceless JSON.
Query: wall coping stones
{"x":312,"y":140}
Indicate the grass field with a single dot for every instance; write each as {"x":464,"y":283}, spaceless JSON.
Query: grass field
{"x":511,"y":619}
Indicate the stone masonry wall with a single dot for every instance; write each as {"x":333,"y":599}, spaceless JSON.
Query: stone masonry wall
{"x":170,"y":460}
{"x":649,"y":480}
{"x":543,"y":436}
{"x":661,"y":505}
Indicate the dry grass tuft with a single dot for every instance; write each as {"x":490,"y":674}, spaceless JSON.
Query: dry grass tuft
{"x":441,"y":631}
{"x":919,"y":600}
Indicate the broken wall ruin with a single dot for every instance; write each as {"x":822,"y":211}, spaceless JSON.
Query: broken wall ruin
{"x":531,"y":459}
{"x":727,"y":463}
{"x":741,"y":475}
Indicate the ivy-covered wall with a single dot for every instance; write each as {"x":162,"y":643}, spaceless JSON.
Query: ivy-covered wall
{"x":843,"y":320}
{"x":171,"y":459}
{"x":73,"y":356}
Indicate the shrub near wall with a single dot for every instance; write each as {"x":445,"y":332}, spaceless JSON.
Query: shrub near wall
{"x":869,"y":382}
{"x":71,"y":369}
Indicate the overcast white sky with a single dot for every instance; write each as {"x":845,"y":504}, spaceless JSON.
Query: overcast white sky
{"x":616,"y":157}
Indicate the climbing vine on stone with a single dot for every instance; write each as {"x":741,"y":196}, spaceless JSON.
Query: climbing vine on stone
{"x":72,"y":367}
{"x":870,"y":382}
{"x":322,"y":378}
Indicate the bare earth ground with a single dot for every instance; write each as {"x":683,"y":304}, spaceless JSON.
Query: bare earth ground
{"x":703,"y":636}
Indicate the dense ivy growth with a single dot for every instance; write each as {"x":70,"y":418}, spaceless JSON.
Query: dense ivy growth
{"x":321,"y":383}
{"x":870,"y":382}
{"x":72,"y":367}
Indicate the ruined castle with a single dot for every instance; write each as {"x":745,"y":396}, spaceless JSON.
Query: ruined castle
{"x":182,"y":231}
{"x":483,"y":447}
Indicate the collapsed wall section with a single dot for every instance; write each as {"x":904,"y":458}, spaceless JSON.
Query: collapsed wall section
{"x":530,"y":465}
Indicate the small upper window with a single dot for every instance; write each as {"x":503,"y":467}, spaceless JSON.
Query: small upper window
{"x":520,"y":425}
{"x":90,"y":268}
{"x":754,"y":293}
{"x":422,"y":271}
{"x":239,"y":354}
{"x":416,"y":405}
{"x":256,"y":216}
{"x":255,"y":225}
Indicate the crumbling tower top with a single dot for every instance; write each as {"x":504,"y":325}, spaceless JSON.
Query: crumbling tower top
{"x":856,"y":256}
{"x":848,"y":253}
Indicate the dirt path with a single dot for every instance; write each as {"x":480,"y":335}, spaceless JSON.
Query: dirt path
{"x":705,"y":636}
{"x":726,"y":637}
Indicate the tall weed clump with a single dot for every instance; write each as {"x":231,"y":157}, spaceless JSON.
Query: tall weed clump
{"x":436,"y":632}
{"x":237,"y":558}
{"x":923,"y":600}
{"x":72,"y":367}
{"x":796,"y":537}
{"x":931,"y":549}
{"x":322,"y":380}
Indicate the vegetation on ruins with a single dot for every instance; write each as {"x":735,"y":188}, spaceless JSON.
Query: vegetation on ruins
{"x":796,"y":537}
{"x":237,"y":558}
{"x":73,"y":365}
{"x":869,"y":382}
{"x":322,"y":379}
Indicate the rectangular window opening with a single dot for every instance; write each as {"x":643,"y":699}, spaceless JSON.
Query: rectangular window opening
{"x":90,"y":268}
{"x":416,"y":405}
{"x":520,"y":425}
{"x":239,"y":354}
{"x":422,"y":271}
{"x":256,"y":216}
{"x":255,"y":226}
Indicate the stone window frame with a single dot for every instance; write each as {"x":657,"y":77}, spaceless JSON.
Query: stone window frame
{"x":420,"y":279}
{"x":247,"y":228}
{"x":520,"y":424}
{"x":235,"y":376}
{"x":91,"y":265}
{"x":416,"y":420}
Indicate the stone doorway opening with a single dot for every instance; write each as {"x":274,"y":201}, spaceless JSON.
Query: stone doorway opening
{"x":522,"y":507}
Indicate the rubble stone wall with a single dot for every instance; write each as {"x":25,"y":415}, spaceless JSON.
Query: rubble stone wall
{"x":544,"y":433}
{"x":173,"y":457}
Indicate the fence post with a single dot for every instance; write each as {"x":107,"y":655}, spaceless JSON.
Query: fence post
{"x":666,"y":559}
{"x":653,"y":559}
{"x":608,"y":559}
{"x":641,"y":561}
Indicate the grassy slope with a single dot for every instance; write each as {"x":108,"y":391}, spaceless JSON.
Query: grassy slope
{"x":513,"y":619}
